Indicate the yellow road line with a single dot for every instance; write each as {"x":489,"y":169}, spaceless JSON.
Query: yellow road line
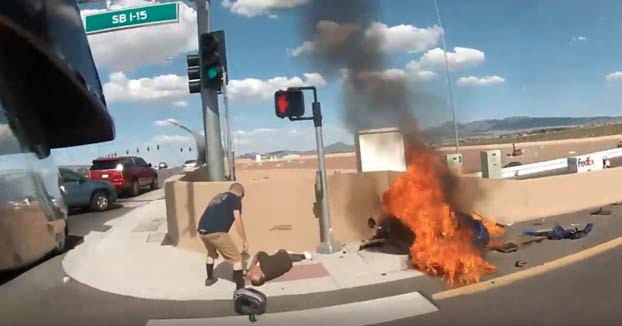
{"x":533,"y":271}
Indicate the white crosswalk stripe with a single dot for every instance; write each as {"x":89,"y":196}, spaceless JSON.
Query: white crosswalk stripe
{"x":358,"y":313}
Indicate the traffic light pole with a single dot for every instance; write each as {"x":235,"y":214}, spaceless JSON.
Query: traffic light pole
{"x":328,"y":244}
{"x":209,"y":101}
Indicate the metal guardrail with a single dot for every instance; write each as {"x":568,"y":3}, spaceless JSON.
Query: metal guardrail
{"x":561,"y":163}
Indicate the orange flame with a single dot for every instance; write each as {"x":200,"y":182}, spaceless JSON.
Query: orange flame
{"x":442,"y":247}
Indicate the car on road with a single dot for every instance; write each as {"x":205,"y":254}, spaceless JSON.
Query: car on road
{"x":162,"y":166}
{"x":81,"y":192}
{"x":190,"y":164}
{"x":128,"y":174}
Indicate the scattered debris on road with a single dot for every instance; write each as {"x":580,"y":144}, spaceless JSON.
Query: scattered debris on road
{"x":601,"y":211}
{"x":559,"y":233}
{"x":520,"y":263}
{"x":507,"y":248}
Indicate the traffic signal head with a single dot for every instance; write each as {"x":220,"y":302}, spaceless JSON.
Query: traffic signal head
{"x":194,"y":74}
{"x":213,"y":59}
{"x":289,"y":103}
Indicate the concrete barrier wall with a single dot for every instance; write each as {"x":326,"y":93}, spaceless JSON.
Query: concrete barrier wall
{"x":510,"y":201}
{"x":277,"y":212}
{"x":280,"y":211}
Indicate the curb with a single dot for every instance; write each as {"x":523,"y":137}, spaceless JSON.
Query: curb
{"x":534,"y":271}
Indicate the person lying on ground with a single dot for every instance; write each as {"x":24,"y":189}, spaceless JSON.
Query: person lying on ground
{"x":266,"y":267}
{"x":391,"y":237}
{"x":213,"y":229}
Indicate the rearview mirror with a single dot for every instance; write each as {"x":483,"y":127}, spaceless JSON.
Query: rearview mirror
{"x":149,"y":165}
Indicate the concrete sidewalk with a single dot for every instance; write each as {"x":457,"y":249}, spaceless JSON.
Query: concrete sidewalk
{"x":129,"y":259}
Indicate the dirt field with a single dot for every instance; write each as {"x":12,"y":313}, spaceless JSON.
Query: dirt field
{"x":532,"y":152}
{"x":573,"y":133}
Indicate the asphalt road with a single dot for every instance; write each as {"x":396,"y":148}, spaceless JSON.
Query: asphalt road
{"x":584,"y":293}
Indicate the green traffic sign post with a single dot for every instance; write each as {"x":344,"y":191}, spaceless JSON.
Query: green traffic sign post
{"x":132,"y":17}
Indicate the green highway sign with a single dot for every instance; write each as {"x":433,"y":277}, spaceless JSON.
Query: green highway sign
{"x":133,"y":17}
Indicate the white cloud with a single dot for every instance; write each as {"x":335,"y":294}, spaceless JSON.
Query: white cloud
{"x":164,"y":88}
{"x":174,"y":89}
{"x":483,"y":81}
{"x":273,"y":16}
{"x":461,"y":58}
{"x":264,"y":140}
{"x":415,"y":71}
{"x":131,"y":48}
{"x":252,"y":8}
{"x":251,"y":89}
{"x":410,"y":73}
{"x":399,"y":38}
{"x":405,"y":38}
{"x":161,"y":123}
{"x":578,"y":40}
{"x":614,"y":76}
{"x":304,"y":48}
{"x":172,"y":140}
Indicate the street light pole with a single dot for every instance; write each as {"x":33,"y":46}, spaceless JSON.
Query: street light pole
{"x":209,"y":101}
{"x":451,"y":97}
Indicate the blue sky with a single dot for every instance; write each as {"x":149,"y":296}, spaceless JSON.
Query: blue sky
{"x":535,"y":58}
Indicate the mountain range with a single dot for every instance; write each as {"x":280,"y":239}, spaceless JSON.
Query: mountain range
{"x":487,"y":127}
{"x":512,"y":124}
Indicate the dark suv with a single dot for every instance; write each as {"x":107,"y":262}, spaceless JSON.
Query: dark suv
{"x":127,"y":174}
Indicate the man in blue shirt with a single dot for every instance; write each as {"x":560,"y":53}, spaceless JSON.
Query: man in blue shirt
{"x":213,"y":229}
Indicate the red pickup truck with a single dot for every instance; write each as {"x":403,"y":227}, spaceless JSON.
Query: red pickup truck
{"x":128,"y":174}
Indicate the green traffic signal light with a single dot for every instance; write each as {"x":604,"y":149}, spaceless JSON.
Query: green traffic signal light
{"x":212,"y":73}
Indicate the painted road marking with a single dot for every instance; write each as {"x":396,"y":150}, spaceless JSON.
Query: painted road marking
{"x":537,"y":270}
{"x":358,"y":313}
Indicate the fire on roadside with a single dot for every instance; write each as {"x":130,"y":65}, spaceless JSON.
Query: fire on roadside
{"x":443,"y":246}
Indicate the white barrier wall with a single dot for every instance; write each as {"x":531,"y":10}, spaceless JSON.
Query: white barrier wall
{"x":561,"y":163}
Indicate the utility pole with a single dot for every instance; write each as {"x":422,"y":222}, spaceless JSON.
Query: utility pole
{"x":228,"y":140}
{"x":209,"y":102}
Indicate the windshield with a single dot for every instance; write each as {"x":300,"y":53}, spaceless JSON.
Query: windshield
{"x":105,"y":165}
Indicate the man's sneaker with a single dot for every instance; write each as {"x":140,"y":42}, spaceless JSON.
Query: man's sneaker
{"x":210,"y":281}
{"x":307,"y":255}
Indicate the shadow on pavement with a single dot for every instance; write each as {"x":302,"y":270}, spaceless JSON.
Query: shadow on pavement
{"x":224,"y":271}
{"x":80,"y":211}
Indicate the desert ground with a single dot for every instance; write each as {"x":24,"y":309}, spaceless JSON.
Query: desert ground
{"x":532,"y":152}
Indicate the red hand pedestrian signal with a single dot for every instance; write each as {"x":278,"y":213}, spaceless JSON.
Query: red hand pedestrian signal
{"x":289,"y":103}
{"x":282,"y":104}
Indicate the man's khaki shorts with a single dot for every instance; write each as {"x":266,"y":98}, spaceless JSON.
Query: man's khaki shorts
{"x":221,"y":242}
